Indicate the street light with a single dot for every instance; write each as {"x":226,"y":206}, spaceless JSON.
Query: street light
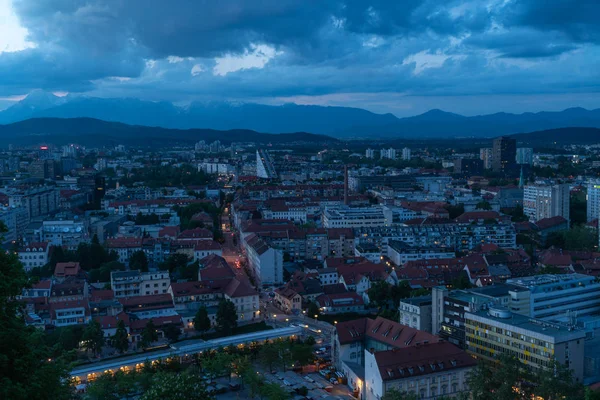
{"x":316,"y":316}
{"x":335,"y":322}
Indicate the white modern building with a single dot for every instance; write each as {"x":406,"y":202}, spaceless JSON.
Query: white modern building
{"x":562,"y":298}
{"x":400,"y":252}
{"x":357,"y":217}
{"x":137,"y":283}
{"x":486,"y":155}
{"x":370,"y":153}
{"x":406,"y":154}
{"x":593,"y":199}
{"x":525,"y":155}
{"x":388,"y":153}
{"x":546,"y":201}
{"x":265,"y":261}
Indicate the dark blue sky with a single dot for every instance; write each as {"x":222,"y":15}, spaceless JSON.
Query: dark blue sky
{"x":400,"y":56}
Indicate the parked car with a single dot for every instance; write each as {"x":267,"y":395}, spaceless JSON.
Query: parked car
{"x":333,"y":381}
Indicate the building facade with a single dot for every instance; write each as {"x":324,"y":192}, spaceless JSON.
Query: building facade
{"x":546,"y":201}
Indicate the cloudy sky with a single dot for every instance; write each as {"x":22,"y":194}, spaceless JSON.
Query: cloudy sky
{"x":399,"y":56}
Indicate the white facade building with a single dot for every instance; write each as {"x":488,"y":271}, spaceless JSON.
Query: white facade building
{"x":485,"y":154}
{"x":360,"y":217}
{"x":370,"y":153}
{"x":406,"y":154}
{"x":137,"y":283}
{"x":546,"y":201}
{"x":525,"y":155}
{"x":389,"y":153}
{"x":593,"y":199}
{"x":265,"y":261}
{"x":264,"y":165}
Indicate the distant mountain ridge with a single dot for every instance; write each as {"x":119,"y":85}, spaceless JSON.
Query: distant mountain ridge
{"x":340,"y":122}
{"x":90,"y":131}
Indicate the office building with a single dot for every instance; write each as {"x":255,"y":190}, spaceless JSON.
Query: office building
{"x":486,"y":155}
{"x":468,"y":166}
{"x":264,"y":165}
{"x":370,"y":153}
{"x":559,"y":298}
{"x":38,"y":202}
{"x":137,"y":283}
{"x":356,"y":217}
{"x":388,"y":153}
{"x":497,"y":331}
{"x":525,"y":155}
{"x":42,"y":169}
{"x":357,"y":183}
{"x":401,"y":252}
{"x":406,"y":154}
{"x":593,"y":199}
{"x":504,"y":155}
{"x":546,"y":201}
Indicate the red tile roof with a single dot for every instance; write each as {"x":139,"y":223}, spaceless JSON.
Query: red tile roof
{"x":382,"y":330}
{"x":421,"y":360}
{"x":67,"y":269}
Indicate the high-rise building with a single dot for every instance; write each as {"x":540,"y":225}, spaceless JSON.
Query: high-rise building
{"x":42,"y":169}
{"x":525,"y":155}
{"x":593,"y":199}
{"x":264,"y":165}
{"x":468,"y":166}
{"x":406,"y":154}
{"x":546,"y":201}
{"x":485,"y":154}
{"x":389,"y":153}
{"x":370,"y":153}
{"x":504,"y":154}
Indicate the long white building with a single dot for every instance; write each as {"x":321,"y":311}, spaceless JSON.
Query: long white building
{"x":546,"y":201}
{"x":265,"y":261}
{"x":593,"y":199}
{"x":264,"y":165}
{"x":357,"y":217}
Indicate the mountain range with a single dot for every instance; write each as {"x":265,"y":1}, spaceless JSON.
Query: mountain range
{"x":90,"y":131}
{"x":340,"y":122}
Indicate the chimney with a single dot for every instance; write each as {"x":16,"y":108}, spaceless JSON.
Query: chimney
{"x":345,"y":185}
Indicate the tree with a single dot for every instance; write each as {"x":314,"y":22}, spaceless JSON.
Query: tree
{"x":310,"y":341}
{"x":226,"y":317}
{"x":462,"y":281}
{"x":380,"y":293}
{"x":103,"y":387}
{"x":172,"y":332}
{"x":483,"y":205}
{"x":273,"y":391}
{"x":172,"y":386}
{"x":269,"y":355}
{"x":93,"y":337}
{"x":557,"y":382}
{"x":27,"y":370}
{"x":313,"y":309}
{"x":302,"y":354}
{"x":201,"y":320}
{"x":102,"y":274}
{"x":120,"y":340}
{"x":149,"y":334}
{"x":138,"y":260}
{"x":175,"y":262}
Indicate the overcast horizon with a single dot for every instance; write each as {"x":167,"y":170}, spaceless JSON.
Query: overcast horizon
{"x":466,"y":57}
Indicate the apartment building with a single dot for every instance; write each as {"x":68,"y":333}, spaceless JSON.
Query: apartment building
{"x":490,"y":333}
{"x":34,"y":255}
{"x":416,"y":312}
{"x":400,"y":252}
{"x":38,"y":202}
{"x":265,"y":261}
{"x":546,"y":201}
{"x":137,"y":283}
{"x":356,"y":217}
{"x":593,"y":199}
